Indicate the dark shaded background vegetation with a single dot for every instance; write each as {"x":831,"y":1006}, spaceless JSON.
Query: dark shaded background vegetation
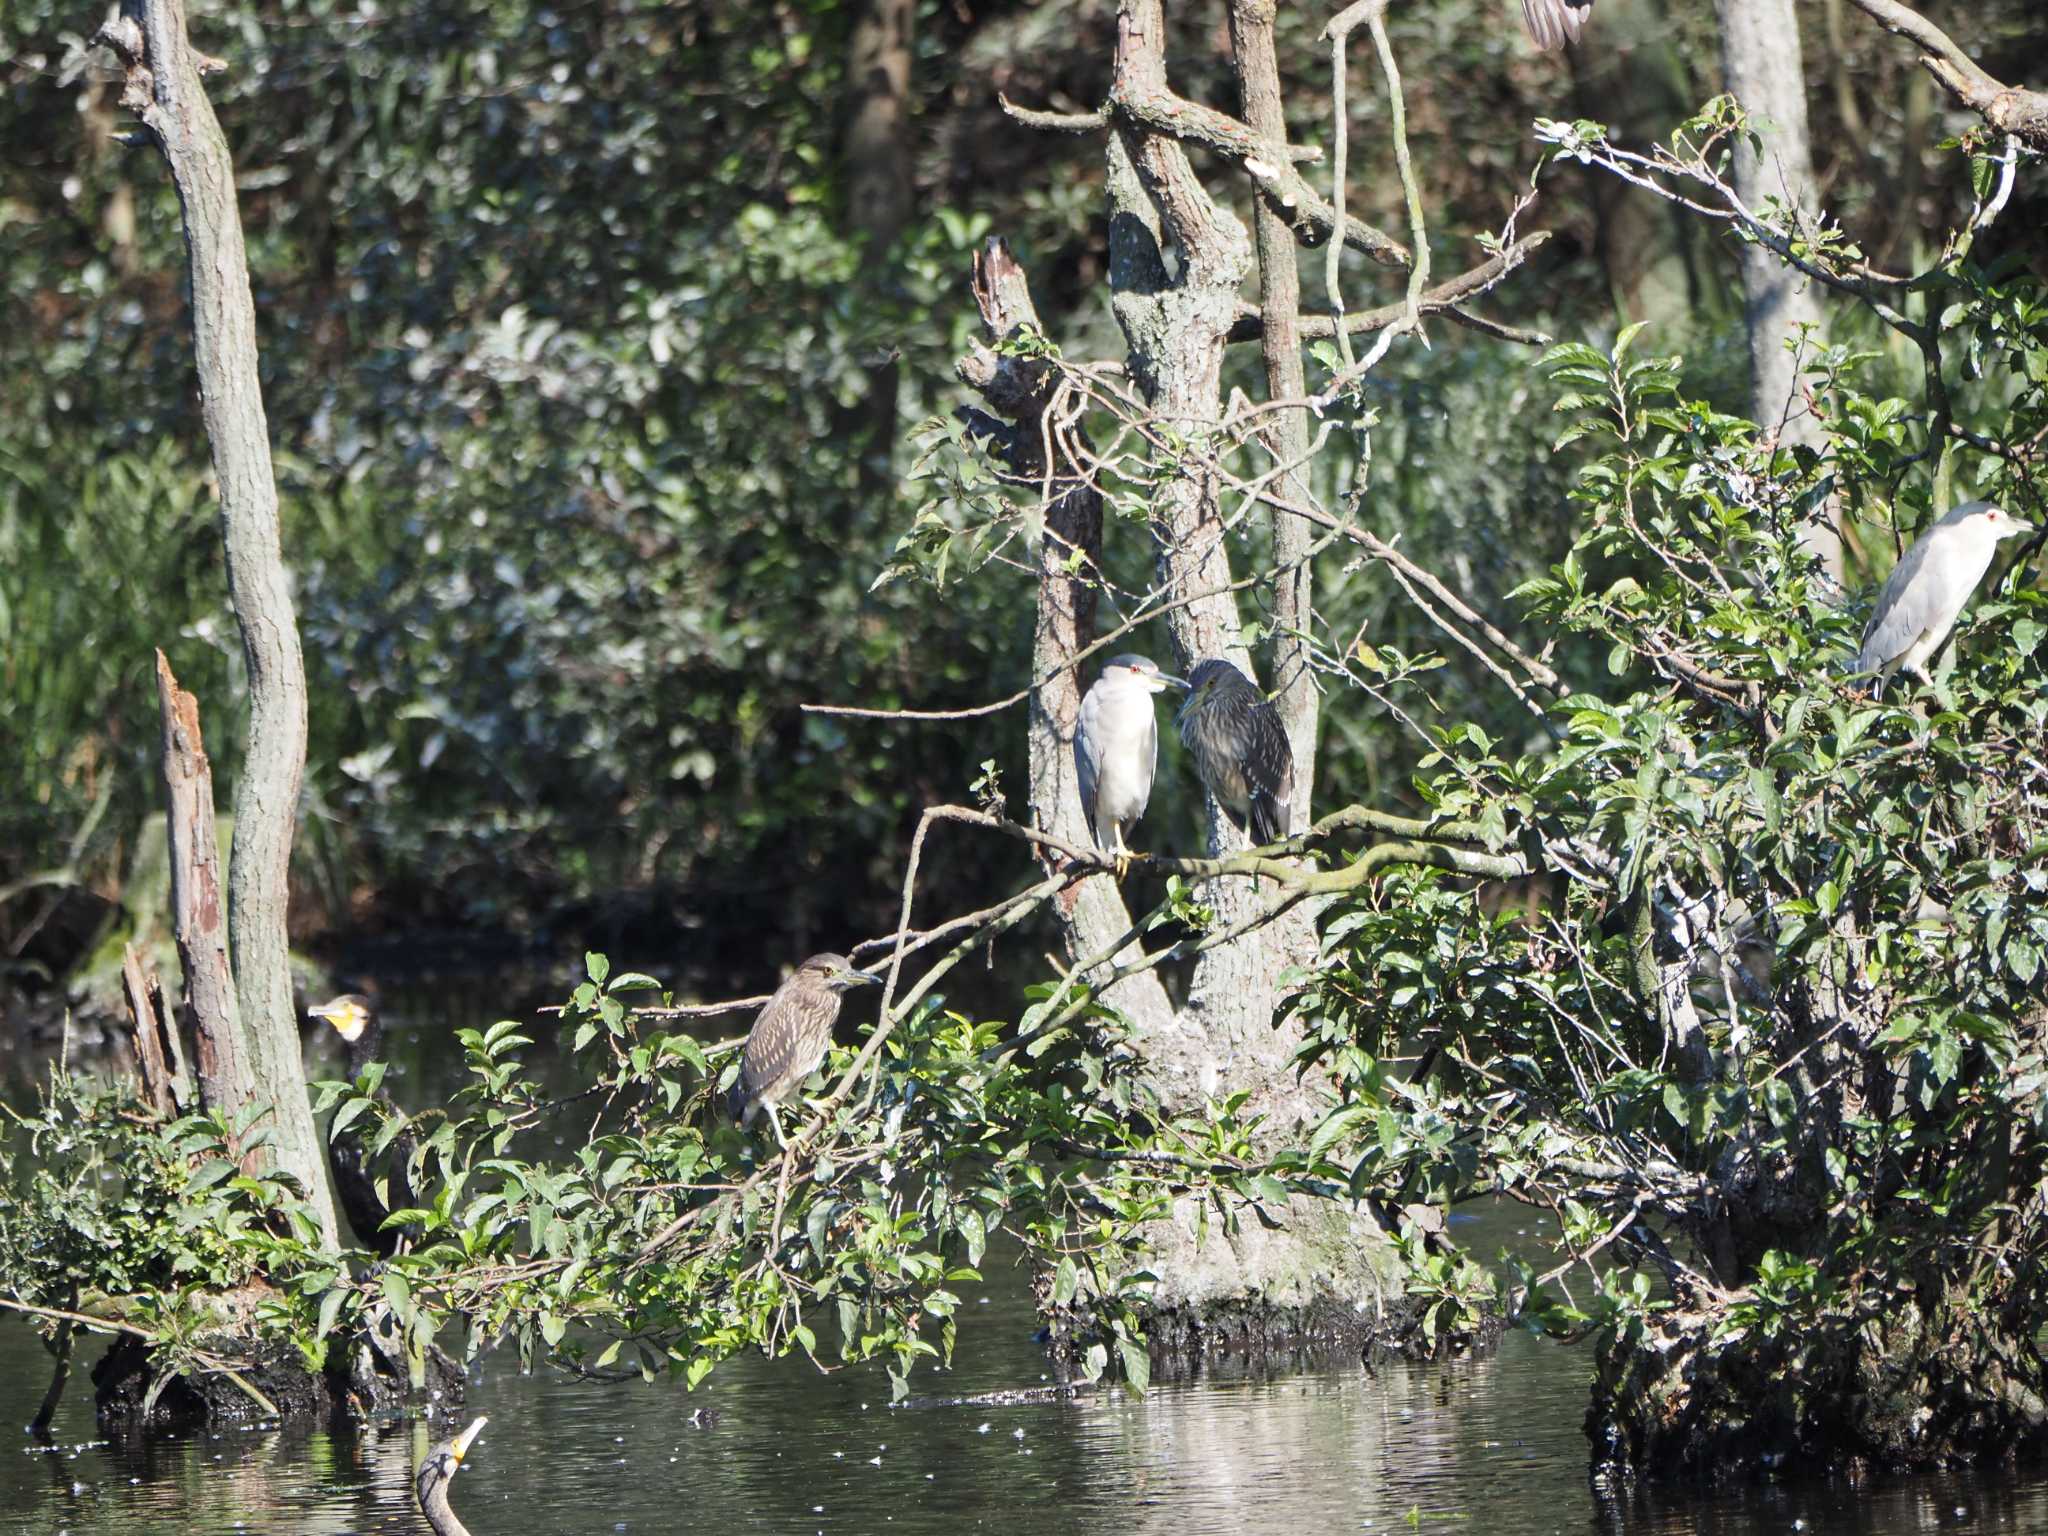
{"x":569,"y":335}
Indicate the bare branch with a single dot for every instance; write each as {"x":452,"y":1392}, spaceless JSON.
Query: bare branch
{"x":1444,"y":298}
{"x":1056,"y":122}
{"x":2010,"y":109}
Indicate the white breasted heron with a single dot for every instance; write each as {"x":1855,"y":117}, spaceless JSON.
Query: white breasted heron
{"x":1928,"y":588}
{"x":1116,"y":749}
{"x":1553,"y":23}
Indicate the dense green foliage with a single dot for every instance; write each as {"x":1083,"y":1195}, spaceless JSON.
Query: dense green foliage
{"x":566,"y":336}
{"x":1766,"y":1034}
{"x":564,"y":320}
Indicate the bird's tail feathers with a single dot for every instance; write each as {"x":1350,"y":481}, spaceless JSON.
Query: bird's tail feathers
{"x":1269,"y":819}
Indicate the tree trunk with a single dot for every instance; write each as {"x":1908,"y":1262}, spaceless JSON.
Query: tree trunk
{"x":159,"y":1058}
{"x":876,"y":155}
{"x":1760,"y":59}
{"x":227,"y":1078}
{"x":1322,"y":1271}
{"x":163,"y":87}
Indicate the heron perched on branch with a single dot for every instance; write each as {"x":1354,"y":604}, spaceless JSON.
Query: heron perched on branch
{"x":1927,"y":589}
{"x":1240,"y":748}
{"x":1553,"y":23}
{"x":354,"y":1018}
{"x":1116,"y":749}
{"x":791,"y":1035}
{"x":430,"y":1483}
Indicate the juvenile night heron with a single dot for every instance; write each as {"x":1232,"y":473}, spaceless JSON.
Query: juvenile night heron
{"x":1116,"y":749}
{"x":430,"y":1483}
{"x":791,"y":1035}
{"x":354,"y":1018}
{"x":1553,"y":23}
{"x":1928,"y":587}
{"x":1240,"y":748}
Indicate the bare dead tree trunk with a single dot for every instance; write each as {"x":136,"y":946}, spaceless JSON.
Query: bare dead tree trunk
{"x":1760,"y":57}
{"x":159,"y":1059}
{"x":227,"y":1079}
{"x":163,"y":87}
{"x":876,"y":154}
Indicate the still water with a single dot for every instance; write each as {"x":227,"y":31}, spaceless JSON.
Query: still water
{"x":1488,"y":1446}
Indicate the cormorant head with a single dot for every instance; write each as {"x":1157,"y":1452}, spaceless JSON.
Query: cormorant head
{"x":348,"y":1013}
{"x":443,"y":1461}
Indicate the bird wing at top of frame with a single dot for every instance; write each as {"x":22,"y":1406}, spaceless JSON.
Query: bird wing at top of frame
{"x":1553,"y":23}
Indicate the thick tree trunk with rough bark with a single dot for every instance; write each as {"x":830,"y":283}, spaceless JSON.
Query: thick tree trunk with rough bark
{"x":1177,"y":262}
{"x":1760,"y":57}
{"x":876,"y":154}
{"x":163,"y":87}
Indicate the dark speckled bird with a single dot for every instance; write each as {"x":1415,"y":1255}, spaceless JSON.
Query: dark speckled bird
{"x":1553,"y":23}
{"x":1240,"y":748}
{"x":791,"y":1035}
{"x":430,"y":1483}
{"x":354,"y":1018}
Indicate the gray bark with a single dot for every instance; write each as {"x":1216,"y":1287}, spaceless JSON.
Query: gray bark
{"x":163,"y":87}
{"x":1760,"y":58}
{"x":1269,"y":1281}
{"x":876,"y":154}
{"x":1177,"y":261}
{"x":1258,"y":82}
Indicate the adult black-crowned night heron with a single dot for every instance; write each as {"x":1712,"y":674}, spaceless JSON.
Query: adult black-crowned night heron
{"x":791,"y":1035}
{"x":1553,"y":23}
{"x":348,"y":1157}
{"x":430,"y":1483}
{"x":1116,"y":749}
{"x":1928,"y":587}
{"x":1240,"y":748}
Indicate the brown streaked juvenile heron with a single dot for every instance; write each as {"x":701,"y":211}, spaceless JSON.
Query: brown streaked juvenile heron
{"x":1553,"y":23}
{"x":430,"y":1483}
{"x":354,"y":1018}
{"x":791,"y":1035}
{"x":1926,"y":591}
{"x":1116,"y":749}
{"x":1240,"y":748}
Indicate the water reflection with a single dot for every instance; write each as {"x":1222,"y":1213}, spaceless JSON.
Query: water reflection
{"x":1488,"y":1445}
